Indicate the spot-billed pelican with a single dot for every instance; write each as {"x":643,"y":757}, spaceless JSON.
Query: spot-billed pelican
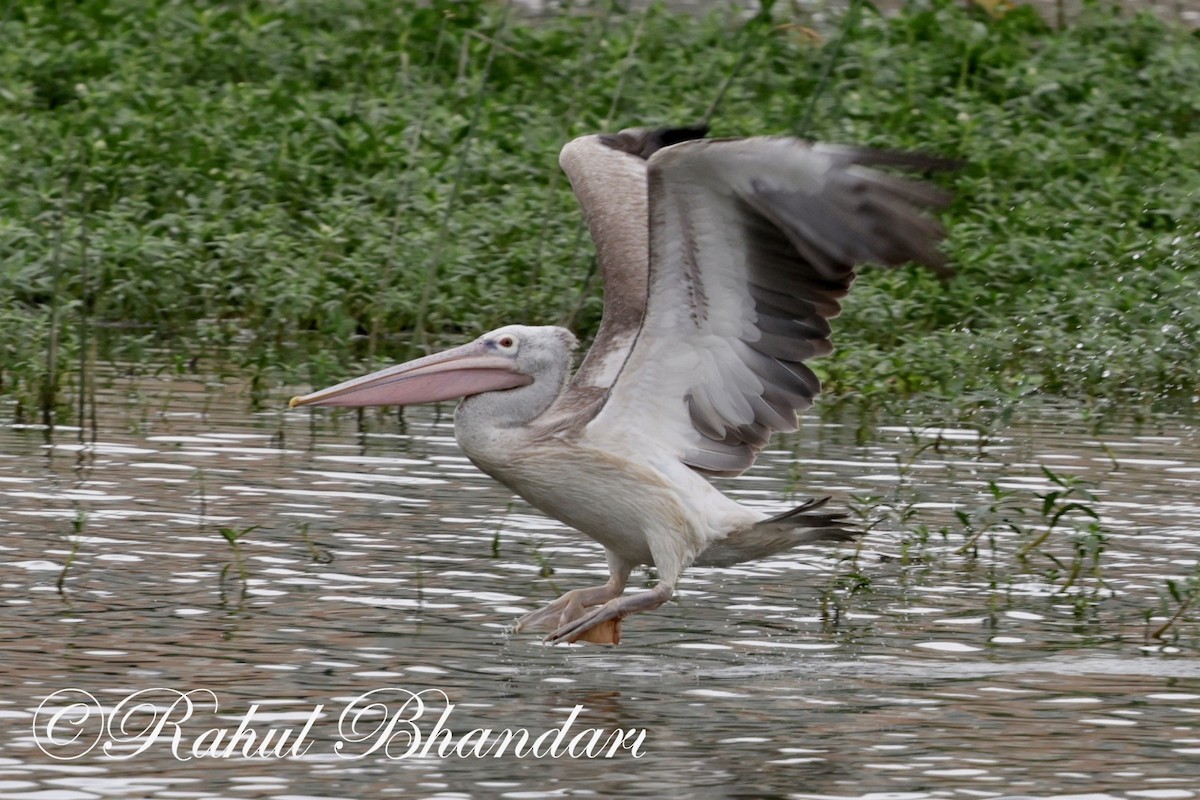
{"x":723,"y":261}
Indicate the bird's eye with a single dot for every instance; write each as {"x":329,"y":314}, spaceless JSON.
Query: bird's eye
{"x":506,"y":342}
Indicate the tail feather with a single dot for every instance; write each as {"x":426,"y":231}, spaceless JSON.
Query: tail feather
{"x":801,"y":525}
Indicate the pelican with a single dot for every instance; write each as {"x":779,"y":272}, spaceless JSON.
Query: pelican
{"x":723,"y":261}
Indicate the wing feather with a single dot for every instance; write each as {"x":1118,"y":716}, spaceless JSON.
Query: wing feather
{"x":608,"y":175}
{"x":610,"y":184}
{"x":727,"y":259}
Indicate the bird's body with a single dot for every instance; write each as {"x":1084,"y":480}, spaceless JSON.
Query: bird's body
{"x":569,"y":470}
{"x":723,"y":261}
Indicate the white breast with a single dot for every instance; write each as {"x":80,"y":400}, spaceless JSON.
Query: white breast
{"x":622,"y":503}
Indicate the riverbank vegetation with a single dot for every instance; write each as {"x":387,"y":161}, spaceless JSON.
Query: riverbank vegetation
{"x":299,"y":185}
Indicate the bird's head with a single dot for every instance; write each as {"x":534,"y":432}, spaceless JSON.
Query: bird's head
{"x":506,"y":358}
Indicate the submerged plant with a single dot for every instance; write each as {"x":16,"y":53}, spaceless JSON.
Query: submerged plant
{"x":319,"y":555}
{"x":1033,"y":526}
{"x":499,"y":528}
{"x":1184,"y":594}
{"x":545,"y":568}
{"x":1071,"y":496}
{"x":234,"y":537}
{"x":847,"y":580}
{"x":78,"y":525}
{"x":1088,"y":547}
{"x":1004,"y":512}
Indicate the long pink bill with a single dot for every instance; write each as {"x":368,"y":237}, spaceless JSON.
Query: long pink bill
{"x":463,"y":371}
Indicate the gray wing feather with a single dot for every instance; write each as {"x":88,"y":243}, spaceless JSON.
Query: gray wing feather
{"x":752,"y":244}
{"x":803,"y":248}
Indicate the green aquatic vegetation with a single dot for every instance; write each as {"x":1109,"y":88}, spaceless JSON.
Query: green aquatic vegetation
{"x":234,"y":536}
{"x":1005,"y":511}
{"x":545,"y":568}
{"x":1176,"y":604}
{"x":305,"y":185}
{"x":318,"y":554}
{"x":78,"y":526}
{"x":1059,"y":511}
{"x":499,"y":529}
{"x":24,"y":378}
{"x":848,"y":579}
{"x":1054,"y":539}
{"x":1072,"y":495}
{"x":1084,"y":581}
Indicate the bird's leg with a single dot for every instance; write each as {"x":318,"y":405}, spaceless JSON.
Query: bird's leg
{"x":568,"y":606}
{"x":670,"y":553}
{"x":612,"y":611}
{"x":571,"y":605}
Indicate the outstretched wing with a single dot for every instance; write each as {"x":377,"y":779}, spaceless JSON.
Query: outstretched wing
{"x":752,"y":244}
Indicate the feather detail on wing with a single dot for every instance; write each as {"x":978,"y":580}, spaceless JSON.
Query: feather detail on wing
{"x":608,"y":175}
{"x":752,"y":245}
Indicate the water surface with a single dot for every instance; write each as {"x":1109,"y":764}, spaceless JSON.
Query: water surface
{"x":384,"y":563}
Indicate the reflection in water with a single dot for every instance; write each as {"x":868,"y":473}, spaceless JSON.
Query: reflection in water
{"x":383,"y":559}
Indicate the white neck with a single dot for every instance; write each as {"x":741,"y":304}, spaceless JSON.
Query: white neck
{"x":484,"y":423}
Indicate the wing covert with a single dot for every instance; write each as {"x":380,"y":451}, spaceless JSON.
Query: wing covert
{"x":608,"y":175}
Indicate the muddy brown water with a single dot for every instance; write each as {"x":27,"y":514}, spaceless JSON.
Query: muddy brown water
{"x":384,"y":567}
